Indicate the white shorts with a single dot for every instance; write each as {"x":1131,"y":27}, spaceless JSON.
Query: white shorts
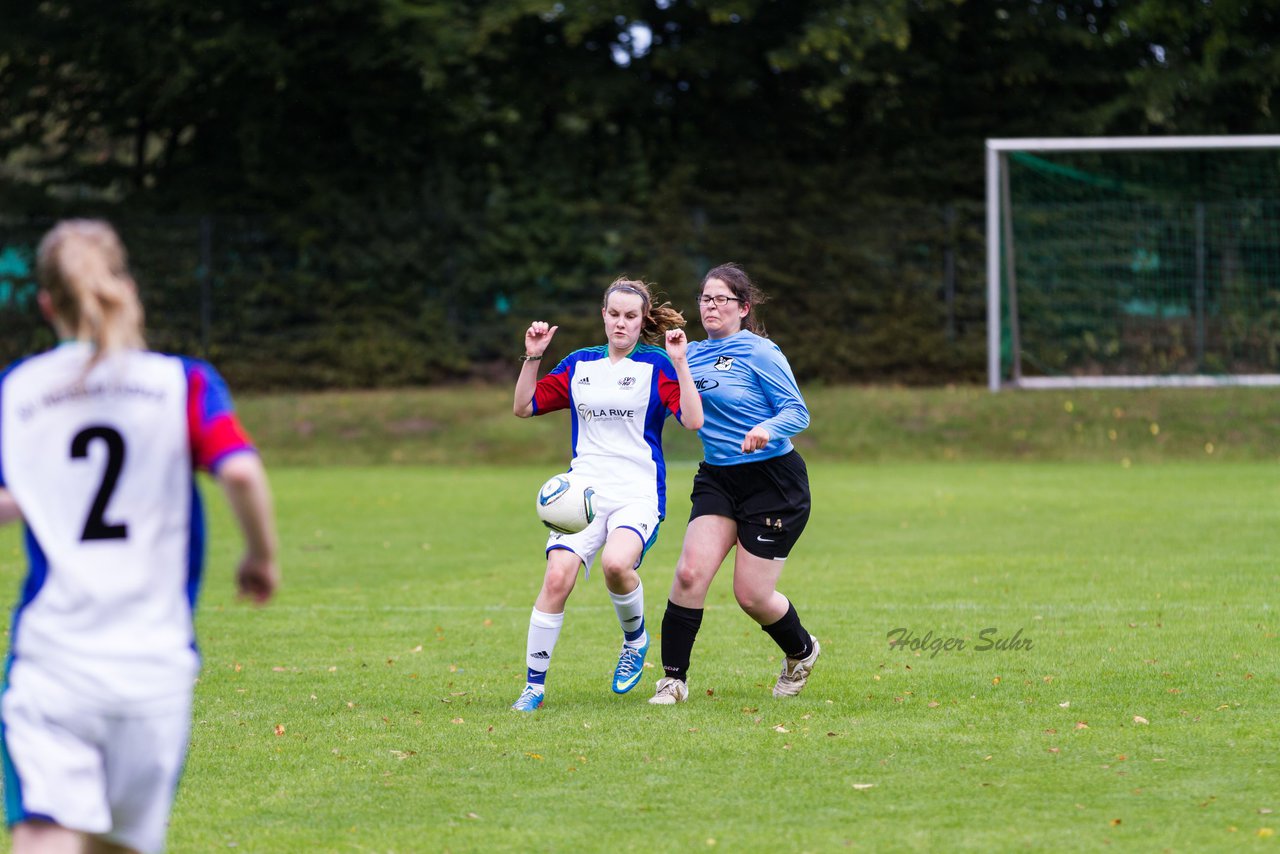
{"x":112,"y":775}
{"x":640,"y":516}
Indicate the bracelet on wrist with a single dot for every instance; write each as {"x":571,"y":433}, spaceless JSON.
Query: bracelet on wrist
{"x":527,"y":358}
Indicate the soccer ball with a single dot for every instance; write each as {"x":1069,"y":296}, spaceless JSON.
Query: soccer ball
{"x":566,"y":504}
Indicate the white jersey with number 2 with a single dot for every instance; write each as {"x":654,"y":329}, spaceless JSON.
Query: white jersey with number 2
{"x":102,"y":468}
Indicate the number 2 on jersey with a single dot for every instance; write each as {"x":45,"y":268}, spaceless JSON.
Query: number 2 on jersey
{"x":96,"y":526}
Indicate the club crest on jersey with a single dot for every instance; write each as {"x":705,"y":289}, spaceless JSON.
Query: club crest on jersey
{"x":723,"y":363}
{"x":626,"y":382}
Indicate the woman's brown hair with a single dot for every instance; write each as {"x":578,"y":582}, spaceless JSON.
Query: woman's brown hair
{"x":657,"y":318}
{"x":744,"y":289}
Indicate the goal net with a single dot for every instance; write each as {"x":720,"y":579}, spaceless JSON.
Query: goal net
{"x":1132,"y":262}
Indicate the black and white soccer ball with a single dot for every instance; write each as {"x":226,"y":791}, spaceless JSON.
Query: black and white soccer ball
{"x":566,"y":503}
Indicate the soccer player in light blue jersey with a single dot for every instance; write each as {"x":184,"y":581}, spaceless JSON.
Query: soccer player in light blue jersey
{"x":619,"y":396}
{"x":751,"y":491}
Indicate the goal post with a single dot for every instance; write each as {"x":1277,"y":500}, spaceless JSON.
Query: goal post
{"x":1126,"y":262}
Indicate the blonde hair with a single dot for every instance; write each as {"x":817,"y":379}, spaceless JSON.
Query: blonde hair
{"x":657,"y":318}
{"x":82,"y":265}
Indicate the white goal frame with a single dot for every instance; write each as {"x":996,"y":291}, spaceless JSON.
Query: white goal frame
{"x":999,"y":227}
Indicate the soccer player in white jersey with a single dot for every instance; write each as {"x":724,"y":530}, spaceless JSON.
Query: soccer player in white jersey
{"x":99,"y":440}
{"x":619,"y":396}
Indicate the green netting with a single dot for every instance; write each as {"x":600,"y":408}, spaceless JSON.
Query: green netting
{"x":1139,"y":263}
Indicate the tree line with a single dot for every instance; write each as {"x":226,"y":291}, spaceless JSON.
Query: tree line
{"x":384,"y":191}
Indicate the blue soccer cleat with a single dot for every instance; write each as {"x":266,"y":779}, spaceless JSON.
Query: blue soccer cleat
{"x":529,"y":700}
{"x":630,"y":668}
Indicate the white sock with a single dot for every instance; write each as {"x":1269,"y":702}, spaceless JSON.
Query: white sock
{"x":544,"y":631}
{"x":630,"y":609}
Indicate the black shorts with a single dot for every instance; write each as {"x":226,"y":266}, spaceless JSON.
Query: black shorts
{"x":769,"y":500}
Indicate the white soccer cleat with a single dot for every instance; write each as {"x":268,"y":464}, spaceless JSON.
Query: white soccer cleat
{"x":795,"y":672}
{"x":670,"y":691}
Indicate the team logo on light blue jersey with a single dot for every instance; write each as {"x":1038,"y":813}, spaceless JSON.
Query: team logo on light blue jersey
{"x":723,"y":363}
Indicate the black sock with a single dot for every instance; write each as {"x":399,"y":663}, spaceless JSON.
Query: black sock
{"x":788,"y":634}
{"x":679,"y":629}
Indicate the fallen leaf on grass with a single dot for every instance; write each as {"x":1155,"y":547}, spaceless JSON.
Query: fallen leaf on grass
{"x":403,"y":754}
{"x":1266,"y":832}
{"x":1065,"y":705}
{"x":456,"y":721}
{"x":279,"y":730}
{"x":537,"y":756}
{"x":1115,"y":822}
{"x":1081,"y":725}
{"x":863,"y":785}
{"x":472,"y":815}
{"x":1053,"y":750}
{"x":1139,"y":719}
{"x":780,"y":728}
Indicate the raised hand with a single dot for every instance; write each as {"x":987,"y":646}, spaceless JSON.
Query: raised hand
{"x":537,"y":337}
{"x":677,"y":344}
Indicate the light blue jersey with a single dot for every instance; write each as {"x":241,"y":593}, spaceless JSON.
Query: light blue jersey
{"x":745,"y":381}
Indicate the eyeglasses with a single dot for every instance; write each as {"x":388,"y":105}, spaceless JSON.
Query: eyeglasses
{"x":718,"y":299}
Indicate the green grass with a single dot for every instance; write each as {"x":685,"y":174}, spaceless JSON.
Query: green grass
{"x":367,"y":708}
{"x":396,"y":646}
{"x":474,"y":424}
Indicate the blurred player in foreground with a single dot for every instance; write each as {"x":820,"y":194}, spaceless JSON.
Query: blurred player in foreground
{"x":99,"y":441}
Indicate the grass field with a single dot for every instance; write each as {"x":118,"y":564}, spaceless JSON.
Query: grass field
{"x":367,"y":709}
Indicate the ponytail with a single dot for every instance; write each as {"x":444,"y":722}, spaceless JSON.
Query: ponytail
{"x":82,"y":265}
{"x":657,"y":318}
